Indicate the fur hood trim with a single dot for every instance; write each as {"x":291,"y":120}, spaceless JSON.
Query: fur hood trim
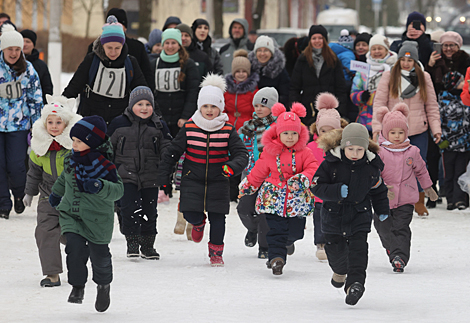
{"x":249,"y":85}
{"x":274,"y":66}
{"x":331,"y":140}
{"x":274,"y":146}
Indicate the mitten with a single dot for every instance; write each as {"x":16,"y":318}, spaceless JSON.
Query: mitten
{"x":228,"y":171}
{"x":54,"y":199}
{"x":245,"y":188}
{"x":390,"y":194}
{"x":344,"y":191}
{"x":298,"y":182}
{"x":365,"y":96}
{"x":27,"y":199}
{"x":93,"y":186}
{"x":383,"y":217}
{"x":431,"y":193}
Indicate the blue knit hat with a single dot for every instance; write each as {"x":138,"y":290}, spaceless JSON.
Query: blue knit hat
{"x":155,"y":37}
{"x":112,"y":32}
{"x":141,"y":93}
{"x":90,"y":130}
{"x":172,"y":33}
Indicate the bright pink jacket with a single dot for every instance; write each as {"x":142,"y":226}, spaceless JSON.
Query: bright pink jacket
{"x":319,"y":155}
{"x":400,"y":171}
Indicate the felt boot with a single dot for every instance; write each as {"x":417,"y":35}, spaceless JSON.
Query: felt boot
{"x":215,"y":254}
{"x":147,"y":251}
{"x":321,"y":254}
{"x":132,"y":246}
{"x":338,"y":280}
{"x":189,"y":228}
{"x":180,"y":223}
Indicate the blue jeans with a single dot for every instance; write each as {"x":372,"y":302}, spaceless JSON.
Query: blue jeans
{"x":13,"y":151}
{"x":421,"y":141}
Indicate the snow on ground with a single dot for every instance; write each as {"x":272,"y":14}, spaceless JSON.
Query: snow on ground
{"x":182,"y":286}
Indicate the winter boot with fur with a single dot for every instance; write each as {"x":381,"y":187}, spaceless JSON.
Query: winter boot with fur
{"x":215,"y":254}
{"x":354,"y":293}
{"x":197,"y":233}
{"x":338,"y":280}
{"x":189,"y":228}
{"x":147,"y":251}
{"x":180,"y":223}
{"x":133,"y":246}
{"x":420,"y":208}
{"x":276,"y":265}
{"x":77,"y":294}
{"x":321,"y":254}
{"x":102,"y":298}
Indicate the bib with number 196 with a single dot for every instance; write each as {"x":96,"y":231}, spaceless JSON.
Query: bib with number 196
{"x":110,"y":82}
{"x":166,"y":79}
{"x":11,"y":90}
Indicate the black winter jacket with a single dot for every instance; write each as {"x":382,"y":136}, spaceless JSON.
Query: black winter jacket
{"x":43,"y":71}
{"x":305,"y":86}
{"x":95,"y":104}
{"x":201,"y":59}
{"x":206,"y":47}
{"x":425,"y":47}
{"x":182,"y":103}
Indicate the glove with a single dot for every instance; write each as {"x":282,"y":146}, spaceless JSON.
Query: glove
{"x":383,"y":217}
{"x":167,"y":189}
{"x":431,"y":194}
{"x":390,"y":194}
{"x":54,"y":199}
{"x":228,"y":171}
{"x":365,"y":96}
{"x":27,"y":199}
{"x":344,"y":191}
{"x":93,"y":186}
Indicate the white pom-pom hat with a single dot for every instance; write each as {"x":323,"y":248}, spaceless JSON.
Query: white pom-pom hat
{"x":11,"y":38}
{"x":212,"y":92}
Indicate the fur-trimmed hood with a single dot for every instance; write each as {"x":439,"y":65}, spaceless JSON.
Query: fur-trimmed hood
{"x":249,"y":85}
{"x":274,"y":146}
{"x":274,"y":66}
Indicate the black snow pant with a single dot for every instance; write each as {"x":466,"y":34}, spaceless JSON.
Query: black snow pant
{"x":252,"y":221}
{"x":217,"y":224}
{"x":283,"y":232}
{"x":139,"y":210}
{"x":455,"y":164}
{"x":318,"y":236}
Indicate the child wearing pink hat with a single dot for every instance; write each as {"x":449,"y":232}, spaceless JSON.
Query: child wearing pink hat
{"x":283,"y":175}
{"x":403,"y":163}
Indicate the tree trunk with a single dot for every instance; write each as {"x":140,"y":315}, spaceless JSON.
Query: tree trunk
{"x":258,"y":14}
{"x":145,"y":17}
{"x":218,"y":18}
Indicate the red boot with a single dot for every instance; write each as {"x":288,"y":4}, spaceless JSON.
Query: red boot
{"x":198,"y":231}
{"x":215,"y":253}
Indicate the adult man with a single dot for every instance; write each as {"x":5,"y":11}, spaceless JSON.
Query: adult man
{"x":238,"y":31}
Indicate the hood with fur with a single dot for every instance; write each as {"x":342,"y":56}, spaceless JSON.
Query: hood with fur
{"x":274,"y":66}
{"x":331,"y":141}
{"x":249,"y":85}
{"x":274,"y":146}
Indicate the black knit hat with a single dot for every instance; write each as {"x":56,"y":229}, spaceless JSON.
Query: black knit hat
{"x":120,"y":14}
{"x":365,"y":37}
{"x":416,"y":16}
{"x":318,"y":29}
{"x":27,"y":33}
{"x":198,"y":22}
{"x":171,"y":20}
{"x":90,"y":130}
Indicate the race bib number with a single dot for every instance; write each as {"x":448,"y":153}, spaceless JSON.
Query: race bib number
{"x":11,"y":90}
{"x":110,"y":82}
{"x":166,"y":79}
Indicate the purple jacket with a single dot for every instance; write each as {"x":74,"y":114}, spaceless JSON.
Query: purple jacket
{"x":401,"y":170}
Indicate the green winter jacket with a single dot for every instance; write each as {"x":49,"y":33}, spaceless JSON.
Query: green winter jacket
{"x":89,"y":215}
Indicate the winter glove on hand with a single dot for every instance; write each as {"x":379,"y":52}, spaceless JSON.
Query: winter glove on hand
{"x":93,"y":186}
{"x":245,"y":188}
{"x":228,"y":171}
{"x":365,"y":96}
{"x":27,"y":199}
{"x":167,"y":189}
{"x":431,"y":193}
{"x":390,"y":194}
{"x":383,"y":217}
{"x":344,"y":191}
{"x":54,"y":199}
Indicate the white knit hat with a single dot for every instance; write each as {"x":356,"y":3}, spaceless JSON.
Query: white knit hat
{"x":264,"y":41}
{"x":379,"y":40}
{"x":212,"y":92}
{"x":10,"y":38}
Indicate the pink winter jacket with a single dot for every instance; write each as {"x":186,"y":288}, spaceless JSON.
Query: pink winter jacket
{"x":421,"y":113}
{"x":400,"y":171}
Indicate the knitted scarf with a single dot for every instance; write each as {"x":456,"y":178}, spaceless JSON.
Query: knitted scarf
{"x":209,"y":125}
{"x":397,"y":147}
{"x":377,"y":67}
{"x":409,"y":84}
{"x":169,"y":58}
{"x":317,"y":60}
{"x":91,"y":164}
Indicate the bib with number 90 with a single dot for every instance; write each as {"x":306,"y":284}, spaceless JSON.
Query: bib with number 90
{"x":110,"y":82}
{"x":166,"y":79}
{"x":11,"y":90}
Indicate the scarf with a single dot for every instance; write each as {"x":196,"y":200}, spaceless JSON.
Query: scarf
{"x":55,"y":146}
{"x":377,"y":67}
{"x":409,"y":84}
{"x":397,"y":147}
{"x":170,"y":58}
{"x":209,"y":125}
{"x":91,"y":164}
{"x":317,"y":60}
{"x":256,"y":125}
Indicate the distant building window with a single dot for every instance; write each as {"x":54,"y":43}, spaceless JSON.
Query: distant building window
{"x":230,"y":6}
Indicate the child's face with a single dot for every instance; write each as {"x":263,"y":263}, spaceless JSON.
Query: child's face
{"x":143,"y":109}
{"x":289,"y":138}
{"x":240,"y":75}
{"x":396,"y":135}
{"x":324,"y":129}
{"x":79,"y":145}
{"x":262,"y":111}
{"x":210,"y":111}
{"x":354,"y":152}
{"x":54,"y":125}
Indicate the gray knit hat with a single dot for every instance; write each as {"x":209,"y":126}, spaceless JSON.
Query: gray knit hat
{"x":355,"y":134}
{"x":141,"y":93}
{"x":185,"y":29}
{"x":267,"y":96}
{"x":409,"y":49}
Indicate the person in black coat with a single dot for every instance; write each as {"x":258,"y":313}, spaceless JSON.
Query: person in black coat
{"x":347,"y":181}
{"x":39,"y":65}
{"x":318,"y":70}
{"x":203,"y":41}
{"x":106,"y":76}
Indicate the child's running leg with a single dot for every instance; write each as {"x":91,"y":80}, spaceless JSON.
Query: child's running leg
{"x":337,"y":251}
{"x":216,"y":238}
{"x":358,"y":257}
{"x":277,"y":236}
{"x":148,"y":220}
{"x":198,"y":220}
{"x":77,"y":257}
{"x":102,"y":274}
{"x":400,"y":241}
{"x":384,"y":229}
{"x":130,"y":203}
{"x":263,"y":229}
{"x":296,"y":232}
{"x":249,"y":218}
{"x":449,"y":160}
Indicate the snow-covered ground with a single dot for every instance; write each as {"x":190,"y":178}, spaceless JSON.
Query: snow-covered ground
{"x":182,"y":287}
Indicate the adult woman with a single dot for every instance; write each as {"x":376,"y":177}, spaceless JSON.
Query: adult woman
{"x":203,"y":41}
{"x":317,"y":70}
{"x":364,"y":85}
{"x":177,"y":81}
{"x":269,"y":62}
{"x":21,"y":104}
{"x":407,"y":82}
{"x":361,"y":46}
{"x":106,"y":76}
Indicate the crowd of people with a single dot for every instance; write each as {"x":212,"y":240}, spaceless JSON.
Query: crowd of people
{"x":286,"y":133}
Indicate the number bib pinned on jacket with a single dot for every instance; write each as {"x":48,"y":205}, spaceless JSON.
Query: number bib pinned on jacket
{"x":110,"y":82}
{"x":11,"y":90}
{"x":166,"y":79}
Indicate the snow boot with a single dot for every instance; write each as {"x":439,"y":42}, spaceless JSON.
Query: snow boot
{"x":197,"y":233}
{"x":147,"y":251}
{"x":180,"y":223}
{"x":77,"y":294}
{"x":5,"y":214}
{"x":398,"y":264}
{"x":290,"y":249}
{"x":321,"y":254}
{"x":420,"y":208}
{"x":354,"y":293}
{"x":215,"y":254}
{"x":19,"y":205}
{"x":50,"y":281}
{"x":132,"y":246}
{"x":263,"y":253}
{"x":338,"y":280}
{"x":276,"y":265}
{"x":251,"y":238}
{"x":189,"y":228}
{"x":102,"y":298}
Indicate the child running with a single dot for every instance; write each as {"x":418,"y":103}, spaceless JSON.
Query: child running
{"x":403,"y":164}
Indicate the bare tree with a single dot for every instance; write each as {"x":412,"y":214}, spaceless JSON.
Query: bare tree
{"x":218,"y":18}
{"x":258,"y":14}
{"x":88,"y":6}
{"x":145,"y":17}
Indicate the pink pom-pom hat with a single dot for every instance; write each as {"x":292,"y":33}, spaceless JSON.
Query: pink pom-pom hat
{"x":396,"y":118}
{"x":288,"y":120}
{"x":326,"y":105}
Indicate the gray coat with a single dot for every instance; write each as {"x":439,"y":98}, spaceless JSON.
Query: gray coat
{"x":226,"y":52}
